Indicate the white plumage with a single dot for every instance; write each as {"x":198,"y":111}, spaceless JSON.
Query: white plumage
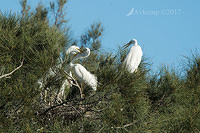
{"x":73,"y":50}
{"x":85,"y":76}
{"x":133,"y":57}
{"x":81,"y":73}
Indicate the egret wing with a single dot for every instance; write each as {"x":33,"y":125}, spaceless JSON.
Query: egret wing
{"x":133,"y":58}
{"x":85,"y":76}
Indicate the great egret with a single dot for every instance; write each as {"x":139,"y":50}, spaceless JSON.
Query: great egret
{"x":133,"y":57}
{"x":81,"y":73}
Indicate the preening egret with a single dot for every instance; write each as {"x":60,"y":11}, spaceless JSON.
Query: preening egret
{"x":81,"y":73}
{"x":133,"y":57}
{"x":73,"y":50}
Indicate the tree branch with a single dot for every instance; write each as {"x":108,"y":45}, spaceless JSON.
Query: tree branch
{"x":76,"y":84}
{"x":8,"y":74}
{"x":61,"y":104}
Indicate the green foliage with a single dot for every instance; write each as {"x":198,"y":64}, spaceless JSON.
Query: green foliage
{"x":29,"y":39}
{"x":25,"y":7}
{"x":92,"y":38}
{"x":58,"y":12}
{"x":139,"y":102}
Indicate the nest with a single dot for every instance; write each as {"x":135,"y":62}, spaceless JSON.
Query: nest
{"x":69,"y":110}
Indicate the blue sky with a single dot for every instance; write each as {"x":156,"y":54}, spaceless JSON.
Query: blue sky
{"x":166,"y":30}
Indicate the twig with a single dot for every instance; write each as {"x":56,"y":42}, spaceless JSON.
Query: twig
{"x":74,"y":109}
{"x":127,"y":125}
{"x":74,"y":102}
{"x":161,"y":100}
{"x":197,"y":130}
{"x":65,"y":102}
{"x":8,"y":74}
{"x":52,"y":107}
{"x":77,"y":85}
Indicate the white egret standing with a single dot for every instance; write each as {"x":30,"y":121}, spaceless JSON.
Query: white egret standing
{"x":133,"y":57}
{"x":81,"y":73}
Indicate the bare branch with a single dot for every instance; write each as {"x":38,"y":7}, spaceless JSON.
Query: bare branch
{"x":76,"y":84}
{"x":127,"y":125}
{"x":8,"y":74}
